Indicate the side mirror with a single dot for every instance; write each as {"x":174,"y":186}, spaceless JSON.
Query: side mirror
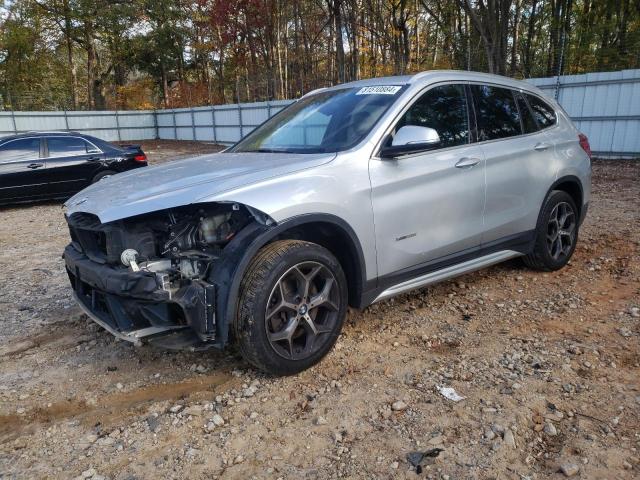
{"x":411,"y":139}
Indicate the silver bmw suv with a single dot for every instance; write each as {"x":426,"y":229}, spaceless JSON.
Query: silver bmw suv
{"x":351,"y":195}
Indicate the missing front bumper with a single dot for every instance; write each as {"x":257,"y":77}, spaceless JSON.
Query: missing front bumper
{"x":133,"y":336}
{"x":133,"y":306}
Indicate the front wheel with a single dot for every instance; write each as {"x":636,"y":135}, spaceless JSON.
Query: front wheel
{"x":293,"y":302}
{"x":556,"y":233}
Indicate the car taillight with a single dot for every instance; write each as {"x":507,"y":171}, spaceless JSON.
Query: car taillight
{"x":584,"y":143}
{"x":141,"y":157}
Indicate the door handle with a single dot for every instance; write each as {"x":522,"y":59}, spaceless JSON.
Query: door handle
{"x":467,"y":162}
{"x":541,"y":147}
{"x":93,"y":159}
{"x":35,"y":165}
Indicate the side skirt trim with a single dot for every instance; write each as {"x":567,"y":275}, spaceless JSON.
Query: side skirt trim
{"x":521,"y":243}
{"x":447,"y":272}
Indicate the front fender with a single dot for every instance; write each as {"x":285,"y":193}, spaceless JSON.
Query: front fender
{"x":319,"y":190}
{"x":237,"y":255}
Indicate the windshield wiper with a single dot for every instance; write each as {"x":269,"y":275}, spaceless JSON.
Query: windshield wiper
{"x":287,"y":150}
{"x":266,"y":150}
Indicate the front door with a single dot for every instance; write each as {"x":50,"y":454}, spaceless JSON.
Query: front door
{"x":428,"y":206}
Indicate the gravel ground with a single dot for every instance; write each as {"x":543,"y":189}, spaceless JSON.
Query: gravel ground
{"x":547,"y":364}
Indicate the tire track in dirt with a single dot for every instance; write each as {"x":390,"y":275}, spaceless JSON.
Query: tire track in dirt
{"x":110,"y":409}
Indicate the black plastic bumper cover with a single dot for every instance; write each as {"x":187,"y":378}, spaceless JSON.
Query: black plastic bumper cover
{"x":126,"y":302}
{"x":111,"y":280}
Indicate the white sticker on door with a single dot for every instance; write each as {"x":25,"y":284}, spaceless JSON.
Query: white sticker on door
{"x":379,"y":90}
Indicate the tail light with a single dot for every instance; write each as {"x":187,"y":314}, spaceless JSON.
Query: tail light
{"x":584,"y":143}
{"x":141,"y":157}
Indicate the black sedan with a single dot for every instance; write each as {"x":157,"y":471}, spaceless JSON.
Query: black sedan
{"x":55,"y":165}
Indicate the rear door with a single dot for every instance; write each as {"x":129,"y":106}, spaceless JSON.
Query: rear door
{"x":72,"y":162}
{"x":561,"y":135}
{"x":519,"y":164}
{"x":428,"y":206}
{"x":22,"y":170}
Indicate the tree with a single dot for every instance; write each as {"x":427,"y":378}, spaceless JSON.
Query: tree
{"x":110,"y":53}
{"x":491,"y":20}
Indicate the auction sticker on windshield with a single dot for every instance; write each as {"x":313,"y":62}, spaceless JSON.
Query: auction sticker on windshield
{"x":379,"y":90}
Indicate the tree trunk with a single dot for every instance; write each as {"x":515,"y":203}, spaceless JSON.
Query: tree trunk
{"x":72,"y":67}
{"x":530,"y":30}
{"x":91,"y":65}
{"x":336,"y":11}
{"x":622,"y":35}
{"x":165,"y":86}
{"x":279,"y":54}
{"x":515,"y":37}
{"x":220,"y":70}
{"x":492,"y":23}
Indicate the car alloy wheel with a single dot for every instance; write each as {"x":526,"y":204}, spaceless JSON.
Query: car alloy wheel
{"x":302,"y":310}
{"x":561,"y":230}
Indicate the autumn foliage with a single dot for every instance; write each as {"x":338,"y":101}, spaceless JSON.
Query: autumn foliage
{"x":97,"y":54}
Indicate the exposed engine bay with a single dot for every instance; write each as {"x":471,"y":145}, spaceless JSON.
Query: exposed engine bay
{"x":186,"y":242}
{"x":151,"y":273}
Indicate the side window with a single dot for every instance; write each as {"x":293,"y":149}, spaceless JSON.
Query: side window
{"x":544,"y":114}
{"x":496,"y":112}
{"x":91,"y":148}
{"x":66,"y":146}
{"x":445,"y":110}
{"x":19,"y":150}
{"x":528,"y":122}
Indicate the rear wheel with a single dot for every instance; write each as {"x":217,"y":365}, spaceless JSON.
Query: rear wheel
{"x":292,"y":305}
{"x":556,"y":233}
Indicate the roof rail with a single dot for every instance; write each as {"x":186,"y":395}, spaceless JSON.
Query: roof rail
{"x":53,"y":131}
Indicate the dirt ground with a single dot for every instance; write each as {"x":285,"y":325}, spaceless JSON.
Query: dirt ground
{"x":547,"y":364}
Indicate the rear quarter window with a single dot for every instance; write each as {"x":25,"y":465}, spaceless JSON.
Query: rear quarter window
{"x":545,"y":115}
{"x":529,"y":124}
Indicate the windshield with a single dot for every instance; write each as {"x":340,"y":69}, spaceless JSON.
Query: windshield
{"x":329,"y":121}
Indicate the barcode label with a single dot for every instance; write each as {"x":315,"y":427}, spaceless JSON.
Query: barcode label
{"x":379,"y":90}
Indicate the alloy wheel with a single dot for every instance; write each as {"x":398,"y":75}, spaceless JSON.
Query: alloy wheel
{"x":302,"y":310}
{"x":561,"y":230}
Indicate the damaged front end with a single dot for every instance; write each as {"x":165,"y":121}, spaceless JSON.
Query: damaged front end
{"x":152,"y":277}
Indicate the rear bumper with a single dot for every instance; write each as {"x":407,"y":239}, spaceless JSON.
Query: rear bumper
{"x":134,"y":306}
{"x":126,"y":165}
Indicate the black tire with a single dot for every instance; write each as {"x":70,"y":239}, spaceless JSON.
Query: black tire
{"x":272,"y":282}
{"x":546,"y":254}
{"x":103,"y":174}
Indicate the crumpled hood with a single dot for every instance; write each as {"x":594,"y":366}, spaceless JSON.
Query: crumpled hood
{"x":183,"y":182}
